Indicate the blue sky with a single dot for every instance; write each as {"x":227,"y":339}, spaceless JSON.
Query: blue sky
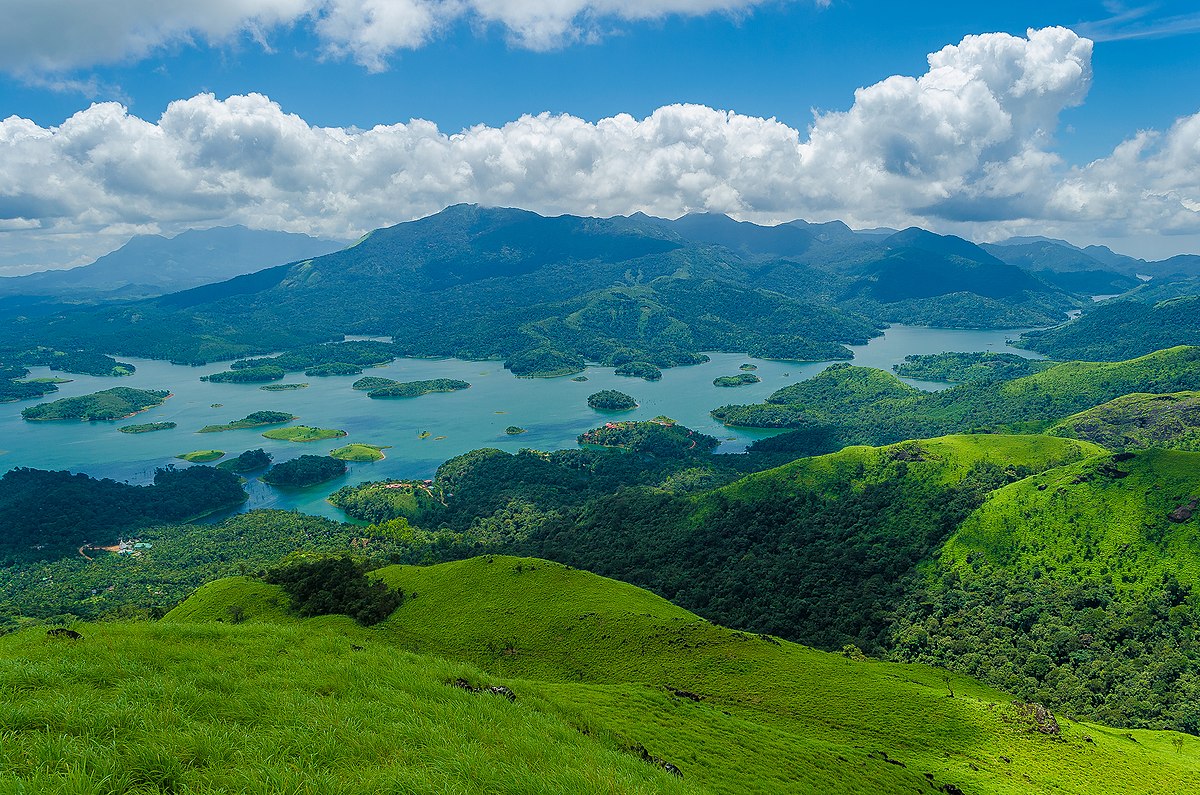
{"x":779,"y":60}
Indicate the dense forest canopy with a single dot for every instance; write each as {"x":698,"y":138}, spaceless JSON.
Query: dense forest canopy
{"x":47,"y":514}
{"x":307,"y":470}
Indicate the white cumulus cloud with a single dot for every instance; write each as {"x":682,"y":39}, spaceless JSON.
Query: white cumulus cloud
{"x":40,"y":36}
{"x":966,"y":147}
{"x":57,"y":35}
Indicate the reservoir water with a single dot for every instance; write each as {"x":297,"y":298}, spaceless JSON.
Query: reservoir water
{"x":554,"y":411}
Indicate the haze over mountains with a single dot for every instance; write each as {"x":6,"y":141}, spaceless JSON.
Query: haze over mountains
{"x":153,"y":264}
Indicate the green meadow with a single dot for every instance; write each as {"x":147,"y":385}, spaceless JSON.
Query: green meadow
{"x":229,"y":692}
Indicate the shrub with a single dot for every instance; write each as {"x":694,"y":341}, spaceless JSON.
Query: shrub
{"x":335,"y":586}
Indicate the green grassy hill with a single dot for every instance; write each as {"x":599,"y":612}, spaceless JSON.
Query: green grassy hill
{"x":845,"y":549}
{"x":816,"y":550}
{"x":600,"y":671}
{"x":1077,"y":586}
{"x":798,"y":719}
{"x":218,"y":708}
{"x":1119,"y":512}
{"x":1137,"y":421}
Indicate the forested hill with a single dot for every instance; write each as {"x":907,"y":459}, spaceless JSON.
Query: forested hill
{"x":1078,"y":587}
{"x":550,"y":292}
{"x":1138,"y":421}
{"x":1121,"y":329}
{"x":1050,"y":567}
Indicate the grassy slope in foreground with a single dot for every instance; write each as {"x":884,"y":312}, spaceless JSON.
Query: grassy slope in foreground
{"x":603,"y":657}
{"x":108,"y":404}
{"x":1138,"y":421}
{"x":219,"y":708}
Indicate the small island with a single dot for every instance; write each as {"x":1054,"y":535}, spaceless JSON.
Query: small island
{"x":247,"y":375}
{"x":333,"y":368}
{"x":660,"y":436}
{"x":372,"y":382}
{"x":410,"y":389}
{"x":360,"y":354}
{"x":110,"y":404}
{"x":580,"y":378}
{"x":747,"y":367}
{"x":91,"y":364}
{"x":360,"y":452}
{"x":544,"y":363}
{"x":643,"y":370}
{"x":303,"y":433}
{"x":255,"y":420}
{"x":611,"y":400}
{"x":148,"y":427}
{"x":282,"y":387}
{"x":202,"y":456}
{"x":742,"y":379}
{"x":307,"y":470}
{"x":248,"y":461}
{"x":514,"y":430}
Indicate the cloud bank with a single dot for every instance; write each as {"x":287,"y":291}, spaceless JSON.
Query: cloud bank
{"x":61,"y":35}
{"x":965,"y":147}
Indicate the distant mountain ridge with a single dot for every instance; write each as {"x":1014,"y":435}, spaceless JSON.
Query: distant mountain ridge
{"x":153,"y":265}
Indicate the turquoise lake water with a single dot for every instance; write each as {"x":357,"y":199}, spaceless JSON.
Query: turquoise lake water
{"x":554,"y":411}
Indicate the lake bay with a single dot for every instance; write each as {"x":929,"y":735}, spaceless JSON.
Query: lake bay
{"x":554,"y":411}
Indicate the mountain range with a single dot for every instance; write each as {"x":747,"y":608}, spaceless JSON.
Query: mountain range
{"x":151,"y":265}
{"x":548,"y":294}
